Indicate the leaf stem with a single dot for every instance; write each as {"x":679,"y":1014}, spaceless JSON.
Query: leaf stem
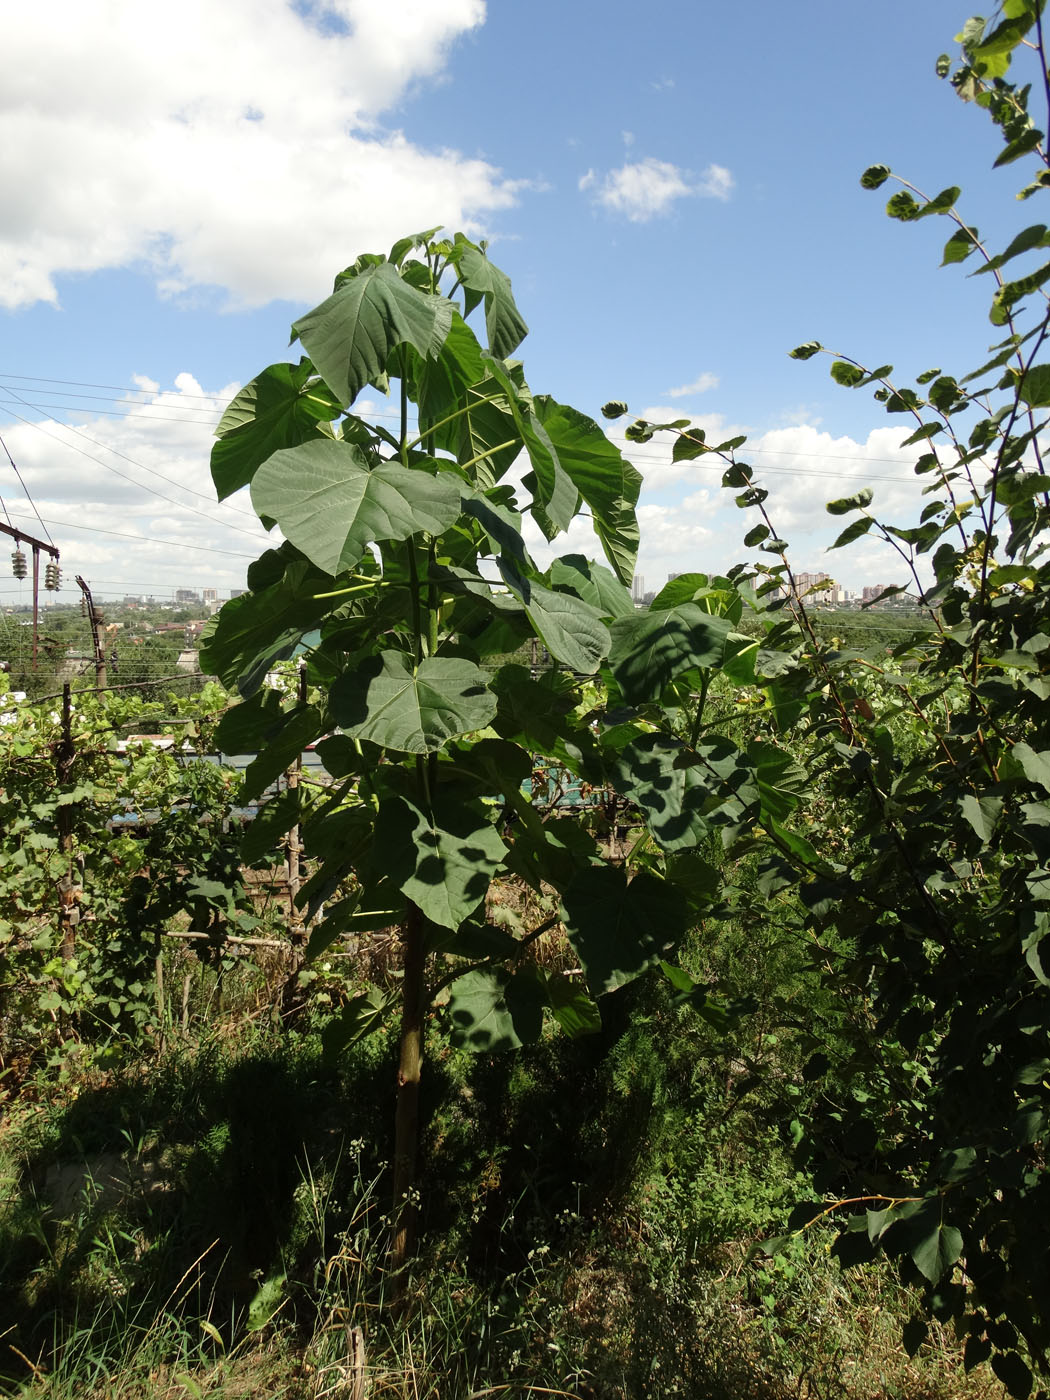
{"x":449,"y":418}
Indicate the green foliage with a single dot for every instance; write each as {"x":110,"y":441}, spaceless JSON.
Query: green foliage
{"x":918,"y":861}
{"x":133,"y":838}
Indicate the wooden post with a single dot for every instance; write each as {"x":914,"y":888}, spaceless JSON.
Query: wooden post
{"x":36,"y":602}
{"x":94,"y":617}
{"x":68,"y":912}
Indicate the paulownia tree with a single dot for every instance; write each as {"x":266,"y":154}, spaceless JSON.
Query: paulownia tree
{"x":405,"y":572}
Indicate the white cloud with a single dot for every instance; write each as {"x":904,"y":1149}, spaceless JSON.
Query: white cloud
{"x":688,"y":522}
{"x":235,"y":146}
{"x":647,"y":189}
{"x":700,"y":385}
{"x":139,"y":480}
{"x":802,"y":469}
{"x":716,"y":182}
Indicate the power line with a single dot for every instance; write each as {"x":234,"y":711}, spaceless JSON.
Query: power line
{"x":29,"y":498}
{"x":106,"y":448}
{"x":152,"y":490}
{"x":119,"y":388}
{"x":138,"y":411}
{"x":142,"y":539}
{"x":619,"y":440}
{"x":111,"y":398}
{"x":215,"y":398}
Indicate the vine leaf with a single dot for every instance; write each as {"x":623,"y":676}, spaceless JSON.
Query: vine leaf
{"x":845,"y":504}
{"x":349,"y":337}
{"x":1035,"y":387}
{"x":331,"y":506}
{"x":1014,"y":1374}
{"x":412,"y":709}
{"x":920,"y":1232}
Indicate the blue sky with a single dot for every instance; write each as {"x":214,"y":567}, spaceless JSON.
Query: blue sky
{"x":672,"y":188}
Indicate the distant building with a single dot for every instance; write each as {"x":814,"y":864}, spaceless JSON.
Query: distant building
{"x":209,"y":595}
{"x":819,"y":588}
{"x":638,"y":588}
{"x":874,"y":592}
{"x":186,"y":595}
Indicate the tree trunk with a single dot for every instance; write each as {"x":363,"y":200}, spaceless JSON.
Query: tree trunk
{"x":406,"y":1125}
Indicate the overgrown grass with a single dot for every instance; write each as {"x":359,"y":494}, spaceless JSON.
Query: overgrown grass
{"x":214,"y":1223}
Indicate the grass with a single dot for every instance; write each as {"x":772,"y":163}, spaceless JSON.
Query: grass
{"x":588,"y":1208}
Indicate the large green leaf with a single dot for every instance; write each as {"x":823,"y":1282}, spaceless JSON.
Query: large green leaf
{"x":501,"y":524}
{"x":441,"y":382}
{"x":715,"y":595}
{"x":274,"y":820}
{"x":605,"y":479}
{"x":246,"y":727}
{"x":485,"y":435}
{"x":651,"y":648}
{"x":283,"y":406}
{"x":671,"y":798}
{"x":534,"y":709}
{"x":243,"y":640}
{"x":496,"y":1010}
{"x":349,"y":337}
{"x":331,"y":506}
{"x":781,"y":780}
{"x":573,"y":1009}
{"x":556,"y":495}
{"x":618,"y":929}
{"x":593,"y":583}
{"x":442,"y":857}
{"x":412,"y":709}
{"x":482,"y":279}
{"x":298,"y":728}
{"x":548,"y":852}
{"x":360,"y":1016}
{"x":572,"y":631}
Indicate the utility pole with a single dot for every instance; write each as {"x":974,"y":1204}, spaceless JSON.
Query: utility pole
{"x":51,"y":573}
{"x":95,"y":618}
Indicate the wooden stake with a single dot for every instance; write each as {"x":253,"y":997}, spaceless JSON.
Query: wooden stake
{"x":68,"y":913}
